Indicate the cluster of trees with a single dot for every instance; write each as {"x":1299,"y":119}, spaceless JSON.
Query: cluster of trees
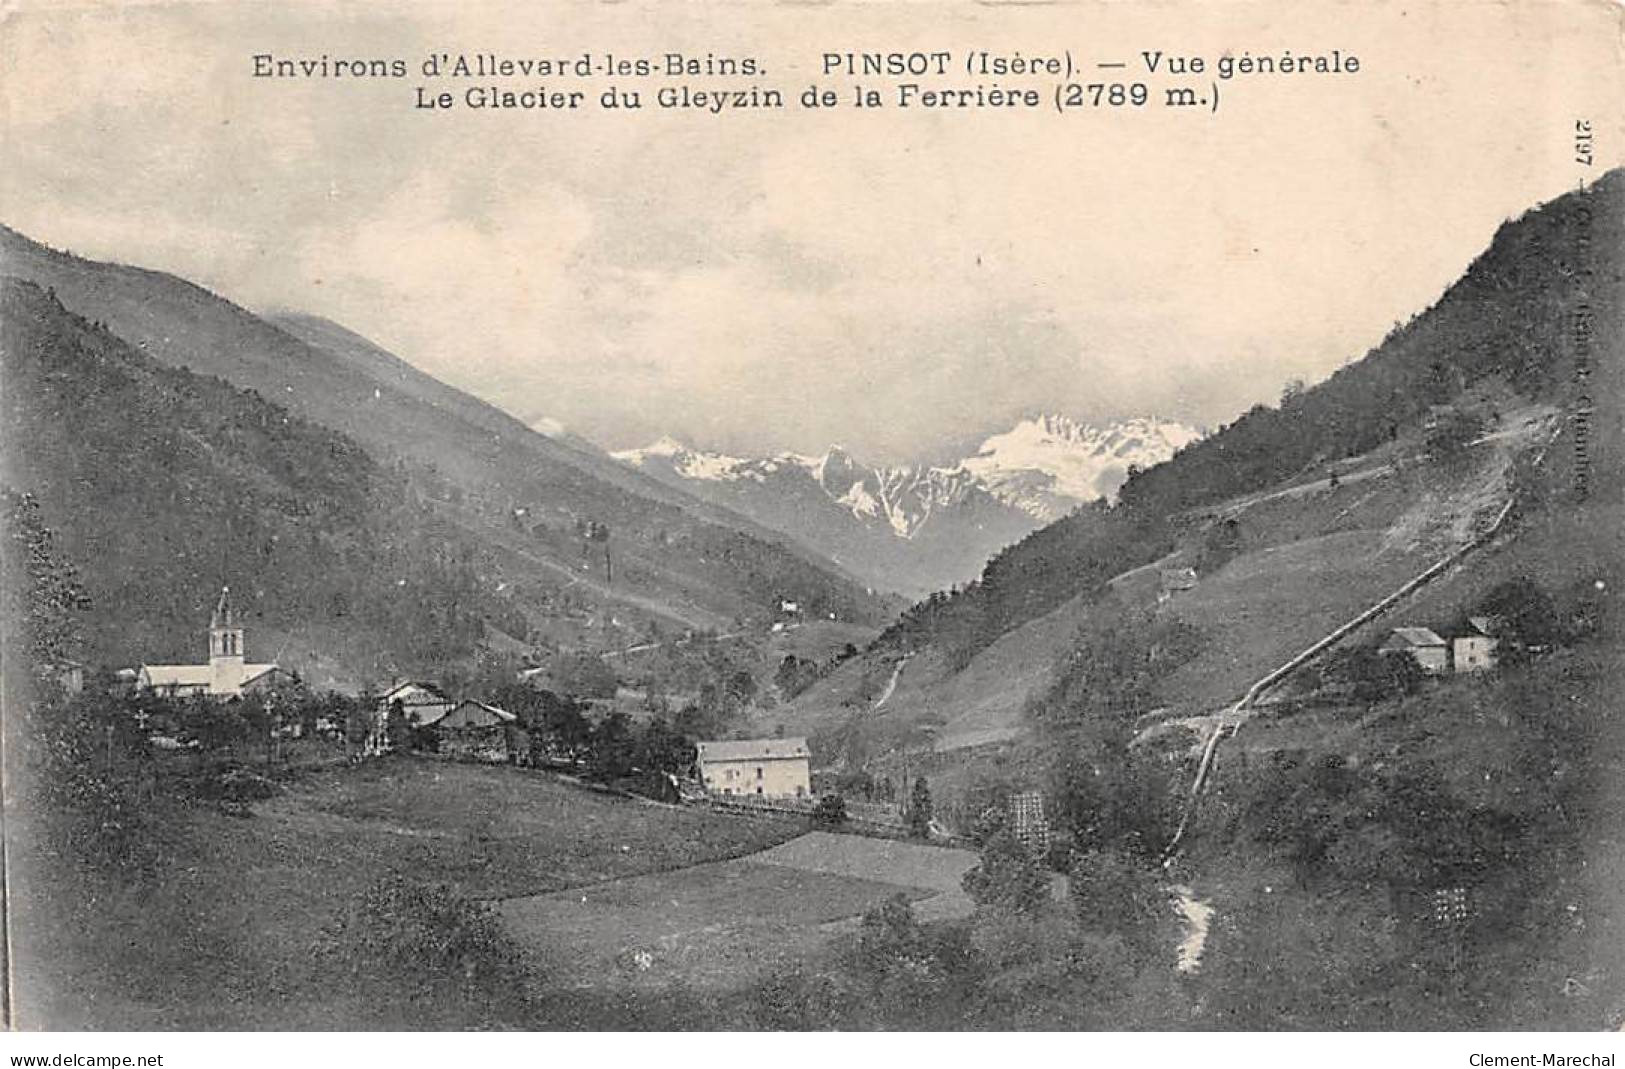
{"x":611,"y":747}
{"x":1100,"y":956}
{"x":1109,"y":794}
{"x":795,"y":675}
{"x":1504,"y":318}
{"x":429,"y":950}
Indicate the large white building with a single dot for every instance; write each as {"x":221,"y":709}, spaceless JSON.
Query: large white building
{"x":772,"y":768}
{"x":228,"y":673}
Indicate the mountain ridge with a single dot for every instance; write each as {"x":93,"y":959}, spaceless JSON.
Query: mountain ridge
{"x":526,"y":501}
{"x":1033,"y":473}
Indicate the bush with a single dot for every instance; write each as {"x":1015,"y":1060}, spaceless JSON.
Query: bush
{"x":919,"y":810}
{"x":239,"y":785}
{"x":830,"y":812}
{"x":804,"y":1001}
{"x":1008,"y":878}
{"x":1114,"y":895}
{"x":428,"y":945}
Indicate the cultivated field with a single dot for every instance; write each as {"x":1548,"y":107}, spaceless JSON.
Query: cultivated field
{"x":720,"y":926}
{"x":222,"y":936}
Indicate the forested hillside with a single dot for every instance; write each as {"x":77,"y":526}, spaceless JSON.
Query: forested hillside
{"x":164,"y":484}
{"x":1509,"y":319}
{"x":585,"y":552}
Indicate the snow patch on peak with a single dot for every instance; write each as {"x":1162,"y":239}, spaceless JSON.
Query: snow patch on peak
{"x":689,"y":463}
{"x":1045,"y":466}
{"x":860,"y":501}
{"x":1048,"y":465}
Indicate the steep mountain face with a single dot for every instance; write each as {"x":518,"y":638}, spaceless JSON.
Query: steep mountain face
{"x":534,"y":510}
{"x":907,"y":530}
{"x":918,"y":529}
{"x":161,"y":485}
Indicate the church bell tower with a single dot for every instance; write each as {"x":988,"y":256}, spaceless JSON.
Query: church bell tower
{"x":225,"y":648}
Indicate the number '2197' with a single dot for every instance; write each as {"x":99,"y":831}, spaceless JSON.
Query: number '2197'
{"x":1582,"y":141}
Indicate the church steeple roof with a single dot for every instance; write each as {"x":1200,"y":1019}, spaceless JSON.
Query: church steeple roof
{"x":223,"y":616}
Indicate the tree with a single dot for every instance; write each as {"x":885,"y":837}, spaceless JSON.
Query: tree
{"x":1449,"y":432}
{"x":565,"y":727}
{"x":428,"y":944}
{"x":1373,"y":676}
{"x":358,"y":722}
{"x":613,"y":747}
{"x":856,"y":782}
{"x":1008,"y":878}
{"x":663,"y":749}
{"x":1526,"y":613}
{"x":741,"y":688}
{"x":794,"y":675}
{"x":599,"y":533}
{"x":398,"y":728}
{"x":830,"y":812}
{"x":895,"y":951}
{"x":1113,"y":894}
{"x":919,"y":810}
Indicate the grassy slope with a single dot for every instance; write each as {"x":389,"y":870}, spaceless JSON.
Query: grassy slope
{"x":1310,"y":562}
{"x":222,"y":938}
{"x":1553,"y":915}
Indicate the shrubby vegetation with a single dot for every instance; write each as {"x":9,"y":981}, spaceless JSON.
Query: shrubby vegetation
{"x":426,"y":950}
{"x":1482,"y":787}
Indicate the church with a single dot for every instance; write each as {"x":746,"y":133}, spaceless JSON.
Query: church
{"x":227,"y":675}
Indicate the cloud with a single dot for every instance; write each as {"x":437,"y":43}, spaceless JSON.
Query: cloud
{"x":771,"y":281}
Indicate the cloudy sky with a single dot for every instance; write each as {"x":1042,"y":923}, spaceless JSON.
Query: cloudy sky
{"x":892,"y":280}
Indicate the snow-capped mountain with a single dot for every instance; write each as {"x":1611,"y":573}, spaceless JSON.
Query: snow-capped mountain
{"x":1049,"y":465}
{"x":915,"y":529}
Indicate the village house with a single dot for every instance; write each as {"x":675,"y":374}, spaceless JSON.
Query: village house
{"x":1474,"y":650}
{"x":1421,"y":644}
{"x":228,"y":674}
{"x":423,"y":703}
{"x":771,"y":768}
{"x":475,"y":731}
